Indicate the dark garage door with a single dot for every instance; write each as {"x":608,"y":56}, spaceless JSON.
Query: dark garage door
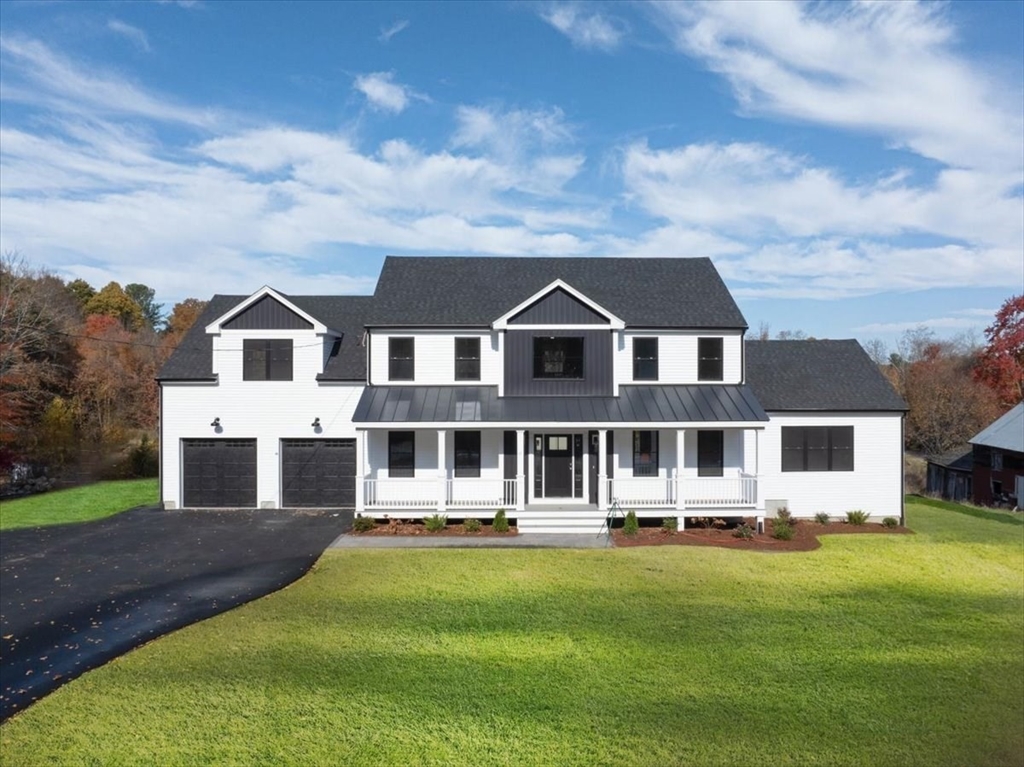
{"x":318,"y":472}
{"x":219,"y":473}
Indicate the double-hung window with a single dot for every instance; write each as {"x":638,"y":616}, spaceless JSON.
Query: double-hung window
{"x":467,"y":454}
{"x":645,"y":453}
{"x":401,"y":359}
{"x":645,"y":359}
{"x":401,"y":454}
{"x":467,"y":359}
{"x":817,"y":448}
{"x":709,"y":359}
{"x":267,"y":359}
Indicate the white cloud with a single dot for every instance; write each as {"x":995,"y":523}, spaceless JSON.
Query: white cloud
{"x":134,"y":34}
{"x":386,"y":33}
{"x":973,"y":319}
{"x":384,"y":93}
{"x":888,"y":68}
{"x":586,"y":29}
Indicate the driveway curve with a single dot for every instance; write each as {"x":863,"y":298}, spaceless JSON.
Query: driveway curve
{"x":74,"y":596}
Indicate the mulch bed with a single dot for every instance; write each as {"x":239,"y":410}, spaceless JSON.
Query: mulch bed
{"x":805,"y":536}
{"x":416,"y":527}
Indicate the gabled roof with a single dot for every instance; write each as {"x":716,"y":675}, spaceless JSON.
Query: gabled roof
{"x":344,"y":315}
{"x":817,"y":375}
{"x":502,"y":322}
{"x":1005,"y":433}
{"x":264,"y":292}
{"x":647,"y":292}
{"x":958,"y":459}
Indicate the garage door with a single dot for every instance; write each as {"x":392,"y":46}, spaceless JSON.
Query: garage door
{"x":318,"y":472}
{"x":219,"y":473}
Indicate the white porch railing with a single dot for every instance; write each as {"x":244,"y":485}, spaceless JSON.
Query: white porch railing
{"x":640,"y":492}
{"x":400,"y":493}
{"x":684,"y":492}
{"x":480,"y":493}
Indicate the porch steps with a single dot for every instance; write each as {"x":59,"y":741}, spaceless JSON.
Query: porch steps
{"x":584,"y":521}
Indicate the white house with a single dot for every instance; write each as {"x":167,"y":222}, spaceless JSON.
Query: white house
{"x":554,"y":388}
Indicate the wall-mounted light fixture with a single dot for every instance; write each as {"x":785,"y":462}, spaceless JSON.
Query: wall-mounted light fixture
{"x":215,"y":422}
{"x":316,"y":423}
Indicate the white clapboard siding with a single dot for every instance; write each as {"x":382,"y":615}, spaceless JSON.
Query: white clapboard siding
{"x":677,"y":356}
{"x":435,"y":358}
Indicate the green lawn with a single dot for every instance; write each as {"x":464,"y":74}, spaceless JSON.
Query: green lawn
{"x":872,"y":650}
{"x":79,"y":504}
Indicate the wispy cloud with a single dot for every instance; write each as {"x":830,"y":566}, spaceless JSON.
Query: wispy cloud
{"x":585,"y":28}
{"x":134,"y":34}
{"x":969,"y":319}
{"x":384,"y":93}
{"x":386,"y":33}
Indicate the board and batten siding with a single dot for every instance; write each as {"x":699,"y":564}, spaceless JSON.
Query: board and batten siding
{"x":677,"y":356}
{"x":267,"y":411}
{"x":559,"y":308}
{"x":875,"y":485}
{"x":435,"y":358}
{"x":597,"y":381}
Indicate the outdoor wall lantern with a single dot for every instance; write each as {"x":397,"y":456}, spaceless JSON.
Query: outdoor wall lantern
{"x":215,"y":423}
{"x":316,"y":423}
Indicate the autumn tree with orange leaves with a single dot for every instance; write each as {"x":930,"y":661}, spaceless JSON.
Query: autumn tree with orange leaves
{"x":1001,"y":363}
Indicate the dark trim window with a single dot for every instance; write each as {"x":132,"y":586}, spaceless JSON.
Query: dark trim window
{"x":267,"y":359}
{"x":558,"y":357}
{"x":467,"y":359}
{"x":401,"y":454}
{"x":709,"y":359}
{"x":710,"y":453}
{"x":467,"y":454}
{"x":817,"y":448}
{"x":645,"y":453}
{"x":645,"y":359}
{"x":401,"y":359}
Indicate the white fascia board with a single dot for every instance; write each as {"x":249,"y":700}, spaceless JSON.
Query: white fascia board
{"x":266,"y":290}
{"x":502,"y":322}
{"x":555,"y":425}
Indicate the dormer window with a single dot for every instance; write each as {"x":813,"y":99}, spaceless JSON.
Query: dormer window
{"x":709,"y":359}
{"x":267,"y":359}
{"x":401,"y":359}
{"x":558,"y":357}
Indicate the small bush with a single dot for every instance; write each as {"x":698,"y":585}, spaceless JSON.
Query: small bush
{"x":782,"y":531}
{"x":670,"y":524}
{"x":632,"y":525}
{"x":472,"y":525}
{"x":743,"y":531}
{"x":784,"y":515}
{"x":857,"y":517}
{"x":709,"y":523}
{"x":822,"y":518}
{"x":435,"y":523}
{"x":500,"y":523}
{"x":363,"y":524}
{"x":890,"y":522}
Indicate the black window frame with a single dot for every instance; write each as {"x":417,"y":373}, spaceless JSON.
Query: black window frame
{"x":467,"y":360}
{"x":645,"y":361}
{"x":710,"y":453}
{"x":573,"y":365}
{"x":648,"y":468}
{"x":401,"y":454}
{"x":466,"y":446}
{"x":401,"y":363}
{"x":710,"y":358}
{"x":818,"y":448}
{"x":267,"y":359}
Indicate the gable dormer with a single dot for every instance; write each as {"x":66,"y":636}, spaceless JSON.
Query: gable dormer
{"x":556,"y":305}
{"x":266,"y":309}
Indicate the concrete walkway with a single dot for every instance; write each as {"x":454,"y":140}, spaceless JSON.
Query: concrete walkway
{"x":523,"y":541}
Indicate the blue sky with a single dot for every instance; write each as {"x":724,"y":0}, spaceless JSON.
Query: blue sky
{"x":853,"y":169}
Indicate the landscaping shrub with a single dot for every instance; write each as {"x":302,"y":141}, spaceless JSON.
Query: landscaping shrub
{"x":500,"y":523}
{"x":743,"y":531}
{"x":363,"y":524}
{"x":472,"y":525}
{"x":782,"y":531}
{"x":670,"y":524}
{"x":632,"y":525}
{"x":857,"y":517}
{"x":435,"y":523}
{"x":890,"y":522}
{"x":822,"y":518}
{"x":784,"y":515}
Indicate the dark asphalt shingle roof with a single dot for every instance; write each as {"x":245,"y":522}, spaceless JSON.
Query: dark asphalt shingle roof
{"x":645,"y":292}
{"x":636,"y":404}
{"x":817,"y":375}
{"x":193,"y":359}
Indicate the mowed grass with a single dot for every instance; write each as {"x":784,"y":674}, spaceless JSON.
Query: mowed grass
{"x":873,"y":650}
{"x":79,"y":504}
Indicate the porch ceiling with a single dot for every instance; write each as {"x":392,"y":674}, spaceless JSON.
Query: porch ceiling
{"x":481,"y":404}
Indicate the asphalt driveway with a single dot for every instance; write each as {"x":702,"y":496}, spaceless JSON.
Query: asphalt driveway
{"x":74,"y":596}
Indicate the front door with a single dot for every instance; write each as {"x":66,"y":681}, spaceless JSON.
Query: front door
{"x":557,"y":466}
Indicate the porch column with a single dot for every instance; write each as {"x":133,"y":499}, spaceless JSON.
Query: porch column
{"x":442,"y":472}
{"x":360,"y":471}
{"x":680,"y":474}
{"x":602,"y":469}
{"x":520,"y":471}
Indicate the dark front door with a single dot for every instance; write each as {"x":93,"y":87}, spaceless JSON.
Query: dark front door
{"x":219,"y":473}
{"x":592,"y":439}
{"x":558,"y":466}
{"x":318,"y":472}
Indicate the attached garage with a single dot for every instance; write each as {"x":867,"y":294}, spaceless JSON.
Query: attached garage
{"x":319,"y":473}
{"x":219,"y":473}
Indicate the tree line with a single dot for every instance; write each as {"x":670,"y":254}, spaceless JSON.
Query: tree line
{"x":78,"y":368}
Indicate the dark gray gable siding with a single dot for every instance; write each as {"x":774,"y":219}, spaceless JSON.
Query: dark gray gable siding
{"x":559,"y":308}
{"x":817,"y":375}
{"x":636,"y":404}
{"x":597,"y":365}
{"x":267,"y":314}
